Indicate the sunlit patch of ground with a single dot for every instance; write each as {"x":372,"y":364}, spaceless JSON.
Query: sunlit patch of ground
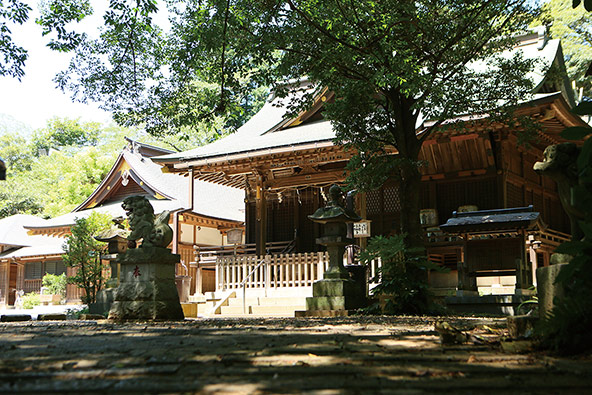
{"x":328,"y":355}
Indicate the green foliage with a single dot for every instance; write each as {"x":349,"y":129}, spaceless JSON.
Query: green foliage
{"x":55,"y":284}
{"x":15,"y":151}
{"x":83,"y":253}
{"x":63,"y":133}
{"x":31,"y":300}
{"x":567,"y":328}
{"x":62,"y":179}
{"x":574,"y":27}
{"x":12,"y":57}
{"x":402,"y":275}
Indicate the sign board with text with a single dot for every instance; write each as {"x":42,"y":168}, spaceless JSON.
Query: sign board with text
{"x":362,"y":228}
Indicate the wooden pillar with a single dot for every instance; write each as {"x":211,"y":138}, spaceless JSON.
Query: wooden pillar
{"x":533,"y":261}
{"x":298,"y":246}
{"x":261,"y":224}
{"x":191,"y":196}
{"x":523,"y":280}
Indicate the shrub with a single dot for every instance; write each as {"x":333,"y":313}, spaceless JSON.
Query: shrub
{"x":31,"y":300}
{"x":403,"y":274}
{"x":56,"y":285}
{"x":83,"y":253}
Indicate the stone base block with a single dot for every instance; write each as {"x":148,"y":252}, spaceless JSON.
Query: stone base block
{"x":335,"y":294}
{"x":147,"y":290}
{"x":547,"y":289}
{"x":334,"y":287}
{"x":15,"y":317}
{"x":51,"y":317}
{"x":146,"y":310}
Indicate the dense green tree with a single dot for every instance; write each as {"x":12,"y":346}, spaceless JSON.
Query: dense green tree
{"x":83,"y":253}
{"x":55,"y":183}
{"x":149,"y":78}
{"x":64,"y":133}
{"x":16,"y":153}
{"x":574,"y":27}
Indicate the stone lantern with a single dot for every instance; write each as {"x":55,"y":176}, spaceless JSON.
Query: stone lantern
{"x":336,"y":293}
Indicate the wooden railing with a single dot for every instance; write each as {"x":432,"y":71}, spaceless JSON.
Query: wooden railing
{"x":32,"y":285}
{"x":276,"y":271}
{"x":552,"y":237}
{"x":209,"y":254}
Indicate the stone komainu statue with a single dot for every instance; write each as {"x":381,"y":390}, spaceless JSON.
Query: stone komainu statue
{"x":560,"y":164}
{"x":154,"y":232}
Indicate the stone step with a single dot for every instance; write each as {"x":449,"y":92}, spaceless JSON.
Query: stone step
{"x":508,"y":290}
{"x":275,"y":310}
{"x":196,"y":298}
{"x":271,"y":301}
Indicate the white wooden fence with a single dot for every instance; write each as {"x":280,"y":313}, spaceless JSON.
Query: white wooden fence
{"x":270,"y":271}
{"x":274,"y":271}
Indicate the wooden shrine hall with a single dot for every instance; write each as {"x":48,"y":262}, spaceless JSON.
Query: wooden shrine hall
{"x":286,"y":164}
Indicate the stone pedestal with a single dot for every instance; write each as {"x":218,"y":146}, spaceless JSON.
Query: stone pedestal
{"x":147,"y":288}
{"x":335,"y":294}
{"x":547,"y":289}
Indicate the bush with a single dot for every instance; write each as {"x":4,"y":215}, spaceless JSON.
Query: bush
{"x":31,"y":300}
{"x":56,"y":285}
{"x":403,"y":275}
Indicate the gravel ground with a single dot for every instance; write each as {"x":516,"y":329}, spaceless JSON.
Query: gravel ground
{"x":309,"y":355}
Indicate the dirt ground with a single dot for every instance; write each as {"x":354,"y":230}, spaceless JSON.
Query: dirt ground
{"x":309,"y":355}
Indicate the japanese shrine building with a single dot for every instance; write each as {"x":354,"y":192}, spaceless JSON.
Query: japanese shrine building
{"x":285,"y":165}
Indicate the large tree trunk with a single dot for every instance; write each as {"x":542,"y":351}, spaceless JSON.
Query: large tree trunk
{"x":410,"y":204}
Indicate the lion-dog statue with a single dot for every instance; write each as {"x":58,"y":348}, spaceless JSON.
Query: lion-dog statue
{"x":154,"y":232}
{"x":560,"y":164}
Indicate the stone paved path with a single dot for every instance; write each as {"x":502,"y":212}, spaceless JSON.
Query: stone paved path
{"x":330,"y":355}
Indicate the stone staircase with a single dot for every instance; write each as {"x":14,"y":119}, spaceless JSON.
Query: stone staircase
{"x":230,"y":304}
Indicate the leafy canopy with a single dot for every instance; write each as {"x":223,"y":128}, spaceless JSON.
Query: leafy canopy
{"x":574,"y":27}
{"x":12,"y":56}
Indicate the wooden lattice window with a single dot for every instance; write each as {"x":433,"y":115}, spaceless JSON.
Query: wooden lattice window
{"x":33,"y":270}
{"x":56,"y":268}
{"x":392,"y":200}
{"x":373,"y":205}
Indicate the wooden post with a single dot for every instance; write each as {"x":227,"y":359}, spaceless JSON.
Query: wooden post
{"x":533,"y":262}
{"x":191,"y":196}
{"x":261,"y":225}
{"x":522,"y":279}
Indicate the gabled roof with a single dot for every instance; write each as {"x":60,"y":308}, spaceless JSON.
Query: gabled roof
{"x":167,"y":190}
{"x":273,"y":130}
{"x":13,"y":232}
{"x":41,"y":246}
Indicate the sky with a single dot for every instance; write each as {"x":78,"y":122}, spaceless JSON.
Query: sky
{"x":35,"y":99}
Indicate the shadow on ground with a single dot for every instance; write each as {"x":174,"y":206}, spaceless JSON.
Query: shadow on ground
{"x":354,"y":355}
